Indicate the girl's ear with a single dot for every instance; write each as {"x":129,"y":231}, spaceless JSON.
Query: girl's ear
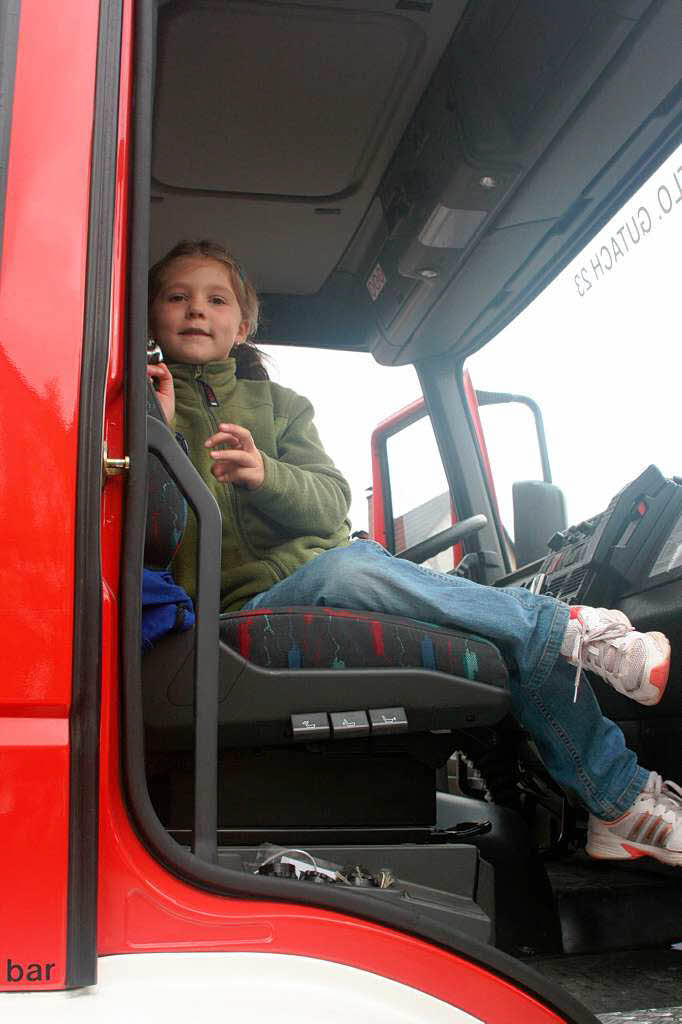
{"x":243,"y":332}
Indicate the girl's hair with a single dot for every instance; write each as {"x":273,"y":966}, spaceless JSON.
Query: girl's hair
{"x":250,"y":360}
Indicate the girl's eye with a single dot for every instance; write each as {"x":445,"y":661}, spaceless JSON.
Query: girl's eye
{"x":176,"y":297}
{"x":218,"y":300}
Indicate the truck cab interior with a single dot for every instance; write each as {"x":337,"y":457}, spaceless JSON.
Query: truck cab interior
{"x":400,"y":177}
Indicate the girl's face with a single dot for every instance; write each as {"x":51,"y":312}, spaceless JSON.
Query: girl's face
{"x":196,"y":318}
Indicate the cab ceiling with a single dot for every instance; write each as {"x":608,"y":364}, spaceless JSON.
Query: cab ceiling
{"x":274,"y":123}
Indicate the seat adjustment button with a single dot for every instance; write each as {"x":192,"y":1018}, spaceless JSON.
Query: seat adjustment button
{"x":385,"y":720}
{"x":349,"y":723}
{"x":314,"y":726}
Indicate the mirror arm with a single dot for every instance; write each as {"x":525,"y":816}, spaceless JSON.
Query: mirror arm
{"x":501,"y":397}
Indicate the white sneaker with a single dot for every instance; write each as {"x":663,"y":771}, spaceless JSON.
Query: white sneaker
{"x":651,"y":828}
{"x":605,"y":642}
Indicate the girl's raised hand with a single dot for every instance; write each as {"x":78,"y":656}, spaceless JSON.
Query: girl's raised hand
{"x":239,"y":462}
{"x":160,"y":376}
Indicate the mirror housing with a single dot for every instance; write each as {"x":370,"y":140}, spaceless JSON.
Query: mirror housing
{"x":539,"y":512}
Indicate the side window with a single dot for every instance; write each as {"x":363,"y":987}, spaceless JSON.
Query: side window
{"x":420,"y":497}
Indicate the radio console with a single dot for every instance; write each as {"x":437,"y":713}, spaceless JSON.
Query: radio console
{"x":636,"y":543}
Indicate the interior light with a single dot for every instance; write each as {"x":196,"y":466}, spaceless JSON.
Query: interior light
{"x":449,"y":228}
{"x":429,"y":273}
{"x":487,"y":181}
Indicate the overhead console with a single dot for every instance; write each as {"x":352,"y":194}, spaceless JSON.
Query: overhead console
{"x":506,"y":83}
{"x":634,"y":545}
{"x":497,"y":177}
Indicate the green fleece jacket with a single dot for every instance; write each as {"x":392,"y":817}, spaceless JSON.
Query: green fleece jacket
{"x":301,"y":507}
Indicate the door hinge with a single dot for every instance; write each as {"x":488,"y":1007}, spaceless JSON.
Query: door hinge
{"x":111,"y":467}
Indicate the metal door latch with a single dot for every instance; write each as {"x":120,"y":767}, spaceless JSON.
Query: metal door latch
{"x":112,"y":467}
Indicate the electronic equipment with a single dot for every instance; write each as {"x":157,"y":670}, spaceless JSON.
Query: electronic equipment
{"x":635,"y":544}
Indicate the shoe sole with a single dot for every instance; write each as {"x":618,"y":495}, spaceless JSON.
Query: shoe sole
{"x":614,"y":848}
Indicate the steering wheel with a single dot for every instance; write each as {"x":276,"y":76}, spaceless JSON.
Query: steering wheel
{"x":445,"y":539}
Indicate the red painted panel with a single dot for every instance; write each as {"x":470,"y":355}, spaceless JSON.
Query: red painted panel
{"x":33,"y":811}
{"x":41,"y":328}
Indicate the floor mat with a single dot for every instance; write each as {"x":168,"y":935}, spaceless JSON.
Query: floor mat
{"x":620,"y":983}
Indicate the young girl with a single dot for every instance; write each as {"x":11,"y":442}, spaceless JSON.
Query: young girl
{"x":286,"y":542}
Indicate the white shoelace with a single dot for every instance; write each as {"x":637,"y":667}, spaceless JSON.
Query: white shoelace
{"x":608,"y":631}
{"x":656,"y":816}
{"x":667,"y":789}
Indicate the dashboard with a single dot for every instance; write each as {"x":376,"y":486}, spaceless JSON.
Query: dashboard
{"x":630,"y":557}
{"x":633,"y":545}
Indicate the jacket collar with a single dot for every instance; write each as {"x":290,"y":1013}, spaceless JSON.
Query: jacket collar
{"x":221,"y":376}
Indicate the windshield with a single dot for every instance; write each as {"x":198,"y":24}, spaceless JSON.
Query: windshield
{"x":600,"y":351}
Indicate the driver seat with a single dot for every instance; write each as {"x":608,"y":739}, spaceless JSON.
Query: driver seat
{"x":328,"y":718}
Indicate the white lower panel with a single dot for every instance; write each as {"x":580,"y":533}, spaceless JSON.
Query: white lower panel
{"x":258,"y":988}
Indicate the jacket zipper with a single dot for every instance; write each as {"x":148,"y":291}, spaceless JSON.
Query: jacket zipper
{"x":210,"y":402}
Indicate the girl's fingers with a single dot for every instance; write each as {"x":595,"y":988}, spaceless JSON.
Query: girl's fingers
{"x":162,"y":382}
{"x":234,"y":457}
{"x":234,"y":428}
{"x":233,"y":471}
{"x":223,"y":437}
{"x":158,"y":370}
{"x":241,"y":433}
{"x":238,"y":467}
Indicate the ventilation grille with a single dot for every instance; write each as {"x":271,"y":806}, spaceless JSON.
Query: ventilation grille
{"x":567,"y":584}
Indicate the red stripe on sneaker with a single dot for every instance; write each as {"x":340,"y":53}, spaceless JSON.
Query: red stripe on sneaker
{"x":659,"y":677}
{"x":632,"y":852}
{"x":648,"y":836}
{"x":638,"y":825}
{"x":662,"y":839}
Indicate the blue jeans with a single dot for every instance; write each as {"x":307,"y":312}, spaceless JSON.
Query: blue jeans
{"x":583,"y":751}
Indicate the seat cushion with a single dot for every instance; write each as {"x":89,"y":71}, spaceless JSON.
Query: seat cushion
{"x":322,"y":637}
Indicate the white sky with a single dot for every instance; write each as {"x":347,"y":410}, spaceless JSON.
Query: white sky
{"x":606,"y":368}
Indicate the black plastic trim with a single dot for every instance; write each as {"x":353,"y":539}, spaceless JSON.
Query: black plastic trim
{"x":264,"y":197}
{"x":162,"y":442}
{"x":178,"y":860}
{"x":81,"y":965}
{"x":9,"y":36}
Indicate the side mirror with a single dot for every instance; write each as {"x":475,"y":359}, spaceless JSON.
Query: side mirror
{"x":539,"y":511}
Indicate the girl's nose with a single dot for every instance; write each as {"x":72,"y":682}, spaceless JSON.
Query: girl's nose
{"x":195,"y":308}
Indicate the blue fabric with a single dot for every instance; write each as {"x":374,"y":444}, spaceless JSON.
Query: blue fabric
{"x":582,"y":750}
{"x":166,"y":608}
{"x":428,"y":653}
